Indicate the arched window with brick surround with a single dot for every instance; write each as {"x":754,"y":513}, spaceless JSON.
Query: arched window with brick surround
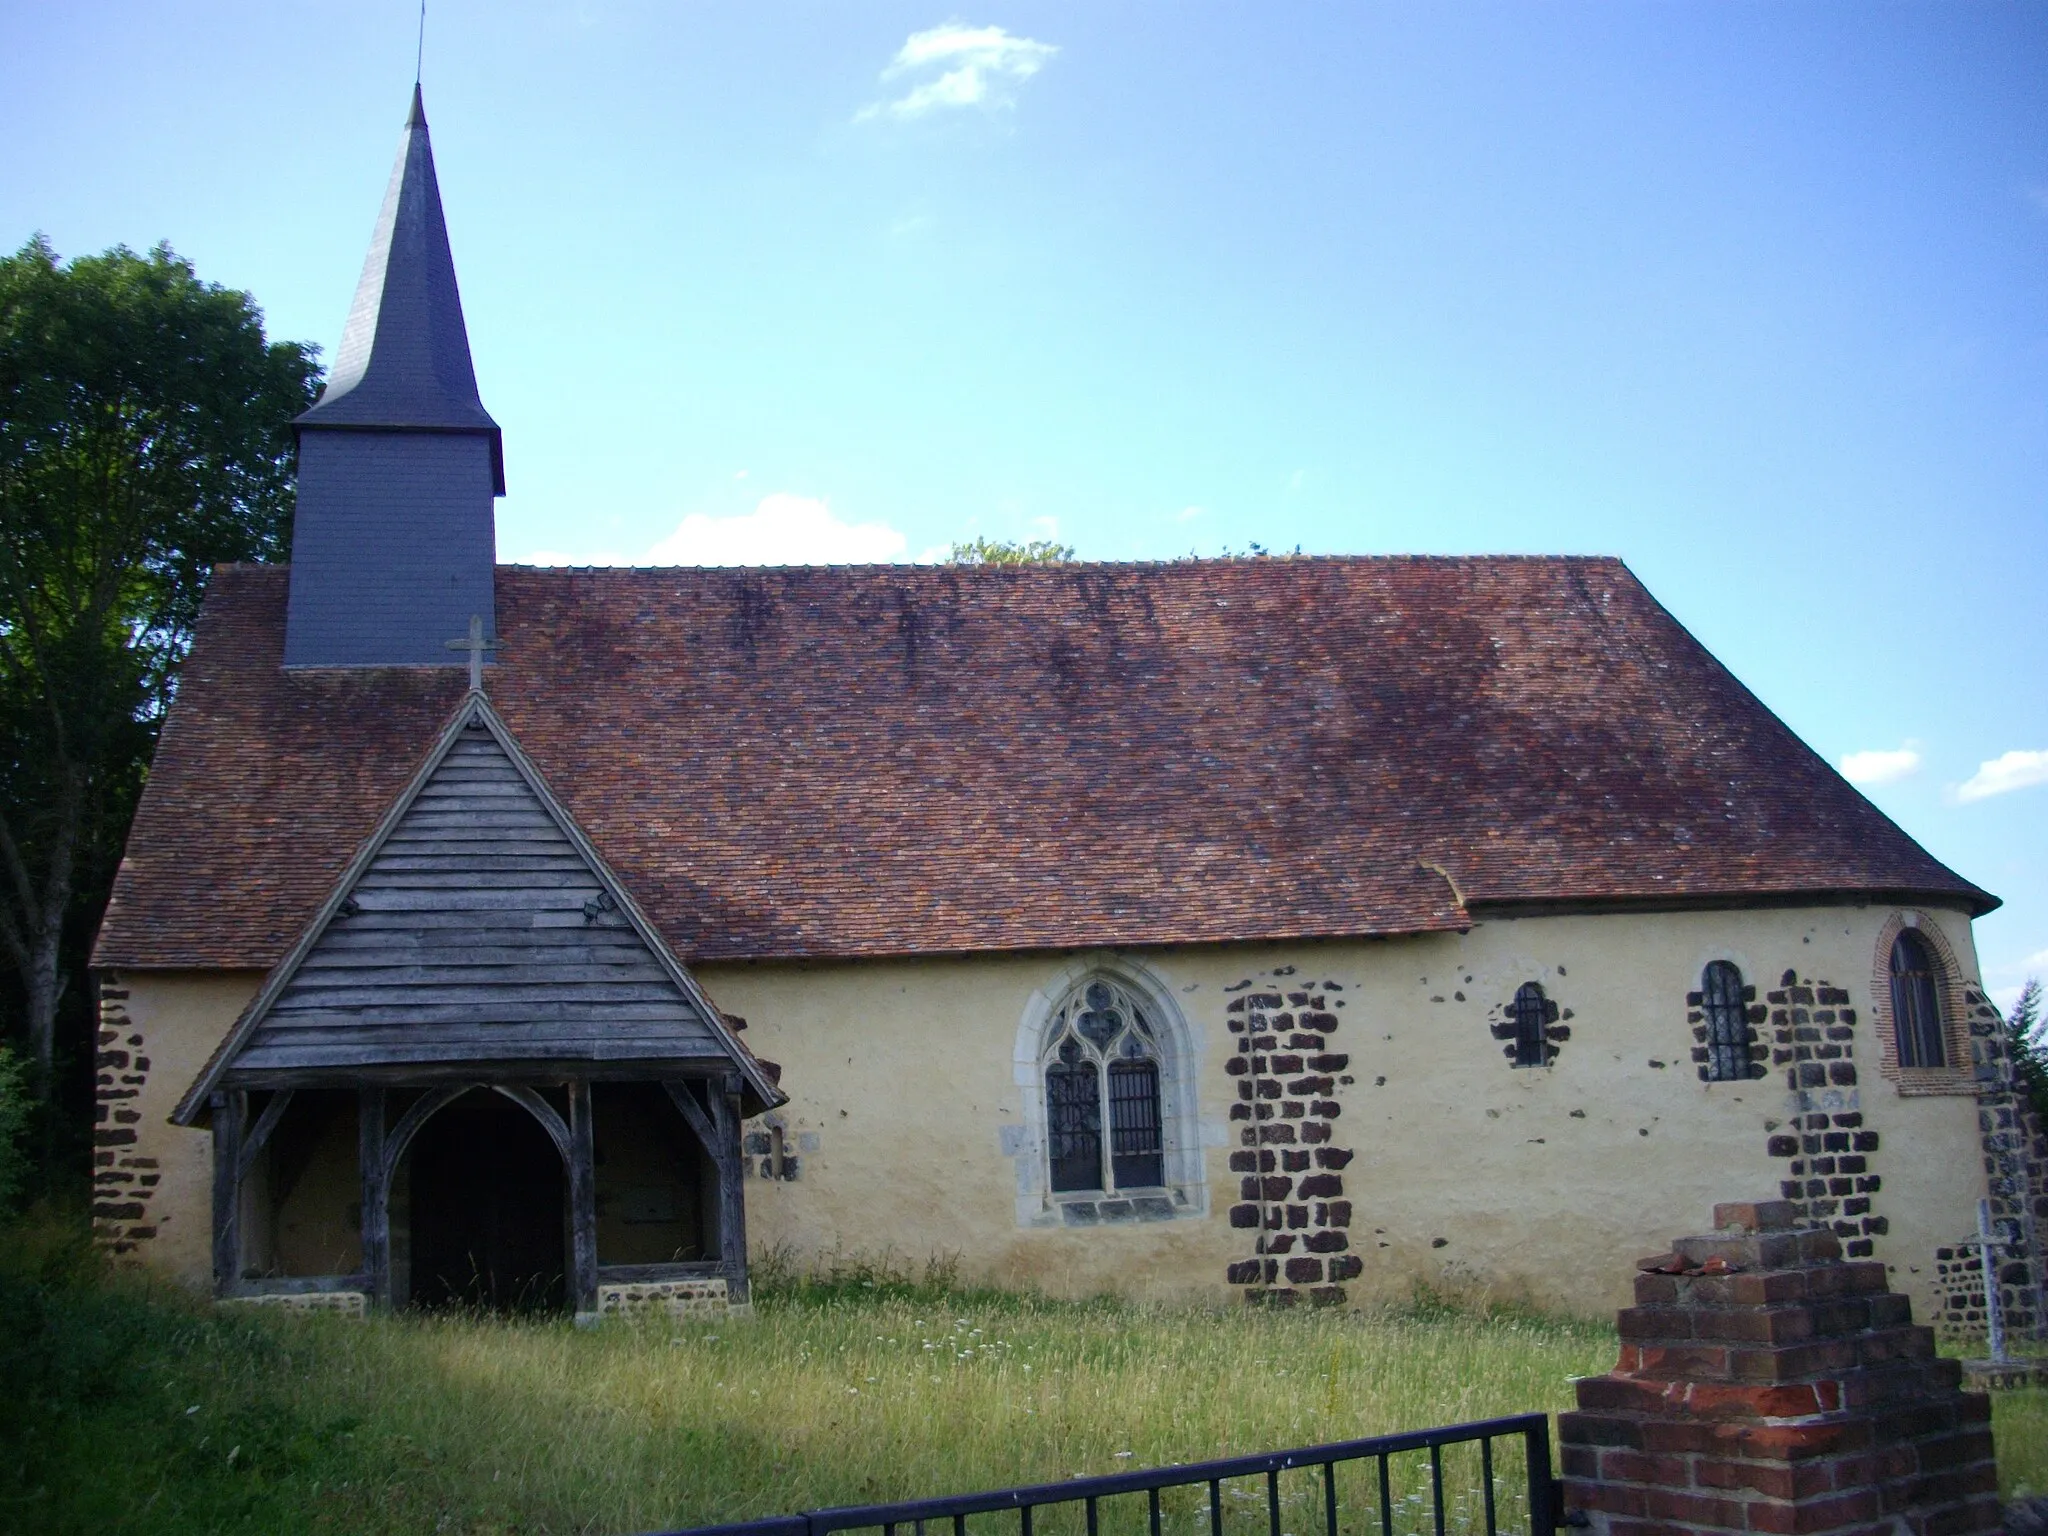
{"x":1727,"y":1018}
{"x":1916,"y":1003}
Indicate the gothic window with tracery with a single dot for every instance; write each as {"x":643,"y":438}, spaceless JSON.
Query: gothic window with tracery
{"x":1102,"y":1051}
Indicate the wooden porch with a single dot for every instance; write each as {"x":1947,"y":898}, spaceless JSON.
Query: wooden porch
{"x":390,"y":1116}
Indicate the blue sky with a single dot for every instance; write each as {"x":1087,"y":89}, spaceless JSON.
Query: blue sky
{"x":1755,"y":297}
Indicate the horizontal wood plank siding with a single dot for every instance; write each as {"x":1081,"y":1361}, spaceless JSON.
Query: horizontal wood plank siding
{"x":478,"y":933}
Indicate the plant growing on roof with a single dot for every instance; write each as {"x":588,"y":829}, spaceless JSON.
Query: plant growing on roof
{"x":145,"y":433}
{"x":981,"y":551}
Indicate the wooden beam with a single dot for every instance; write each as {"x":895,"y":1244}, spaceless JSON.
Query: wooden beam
{"x":582,"y":1201}
{"x":694,"y":1116}
{"x":230,"y":1114}
{"x":544,"y":1112}
{"x":732,"y":1199}
{"x":417,"y":1114}
{"x":632,"y":1274}
{"x":259,"y":1133}
{"x":719,"y":1131}
{"x":500,"y":1068}
{"x":376,"y":1177}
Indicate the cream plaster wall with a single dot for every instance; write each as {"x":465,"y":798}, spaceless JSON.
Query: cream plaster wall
{"x":907,"y":1122}
{"x":1547,"y":1182}
{"x":163,"y":1030}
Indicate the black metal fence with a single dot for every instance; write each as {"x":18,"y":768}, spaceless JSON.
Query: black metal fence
{"x":1401,"y":1494}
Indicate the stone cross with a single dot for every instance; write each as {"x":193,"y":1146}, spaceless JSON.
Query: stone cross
{"x":474,"y":643}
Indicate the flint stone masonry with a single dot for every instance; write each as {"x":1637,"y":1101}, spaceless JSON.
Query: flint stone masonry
{"x":1770,"y":1385}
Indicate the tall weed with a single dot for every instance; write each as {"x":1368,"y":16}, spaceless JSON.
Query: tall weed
{"x":131,"y":1406}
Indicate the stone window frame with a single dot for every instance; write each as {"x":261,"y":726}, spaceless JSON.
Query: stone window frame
{"x":1185,"y":1192}
{"x":1959,"y":1076}
{"x":1755,"y":1015}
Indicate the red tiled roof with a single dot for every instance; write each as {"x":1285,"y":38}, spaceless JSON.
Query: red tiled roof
{"x":852,"y":761}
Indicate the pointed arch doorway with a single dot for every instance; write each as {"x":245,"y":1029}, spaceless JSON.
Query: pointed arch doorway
{"x":488,"y":1210}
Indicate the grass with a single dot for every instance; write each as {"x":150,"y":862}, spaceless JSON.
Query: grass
{"x":131,"y":1407}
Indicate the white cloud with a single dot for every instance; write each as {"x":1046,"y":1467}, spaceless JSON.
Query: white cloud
{"x":2004,"y":774}
{"x":782,"y":530}
{"x":1188,"y":514}
{"x":1879,"y":765}
{"x":959,"y":66}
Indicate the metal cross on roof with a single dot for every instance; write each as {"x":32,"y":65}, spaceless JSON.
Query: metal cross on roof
{"x":474,"y":643}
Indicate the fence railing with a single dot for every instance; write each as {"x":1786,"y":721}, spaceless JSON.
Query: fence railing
{"x":1085,"y":1503}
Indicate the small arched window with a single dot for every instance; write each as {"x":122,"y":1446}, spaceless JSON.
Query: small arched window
{"x":1916,"y":1003}
{"x":1102,"y":1050}
{"x":1531,"y":1014}
{"x":1727,"y":1011}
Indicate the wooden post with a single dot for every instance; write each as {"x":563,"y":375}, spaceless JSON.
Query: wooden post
{"x":376,"y":1178}
{"x":230,"y":1112}
{"x":582,"y":1203}
{"x":732,"y":1199}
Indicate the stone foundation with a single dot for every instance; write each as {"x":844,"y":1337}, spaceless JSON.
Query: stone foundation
{"x":673,"y":1298}
{"x":342,"y":1303}
{"x":1767,"y":1385}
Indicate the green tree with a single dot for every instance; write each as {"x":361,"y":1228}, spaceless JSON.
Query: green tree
{"x":14,"y":1106}
{"x":144,"y":435}
{"x":2025,"y":1044}
{"x":980,"y":551}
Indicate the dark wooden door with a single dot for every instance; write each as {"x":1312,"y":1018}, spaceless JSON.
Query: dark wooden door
{"x":487,"y":1210}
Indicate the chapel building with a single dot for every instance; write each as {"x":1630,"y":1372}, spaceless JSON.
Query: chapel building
{"x":1292,"y":930}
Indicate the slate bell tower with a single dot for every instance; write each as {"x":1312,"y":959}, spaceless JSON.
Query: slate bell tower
{"x":395,"y":542}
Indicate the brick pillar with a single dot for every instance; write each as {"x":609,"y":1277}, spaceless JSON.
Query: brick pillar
{"x":1766,"y":1385}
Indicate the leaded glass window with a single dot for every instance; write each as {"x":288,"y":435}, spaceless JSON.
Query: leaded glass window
{"x":1916,"y":1003}
{"x":1727,"y":1012}
{"x":1102,"y":1048}
{"x":1530,"y":1017}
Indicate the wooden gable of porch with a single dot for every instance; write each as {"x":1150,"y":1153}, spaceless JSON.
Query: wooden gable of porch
{"x":477,"y":934}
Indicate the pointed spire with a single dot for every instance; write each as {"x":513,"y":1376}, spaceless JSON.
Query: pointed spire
{"x":394,"y":539}
{"x":404,"y":357}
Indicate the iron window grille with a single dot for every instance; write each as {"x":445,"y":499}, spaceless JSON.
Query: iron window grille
{"x":1727,"y":1011}
{"x":1102,"y":1049}
{"x":1916,"y":1003}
